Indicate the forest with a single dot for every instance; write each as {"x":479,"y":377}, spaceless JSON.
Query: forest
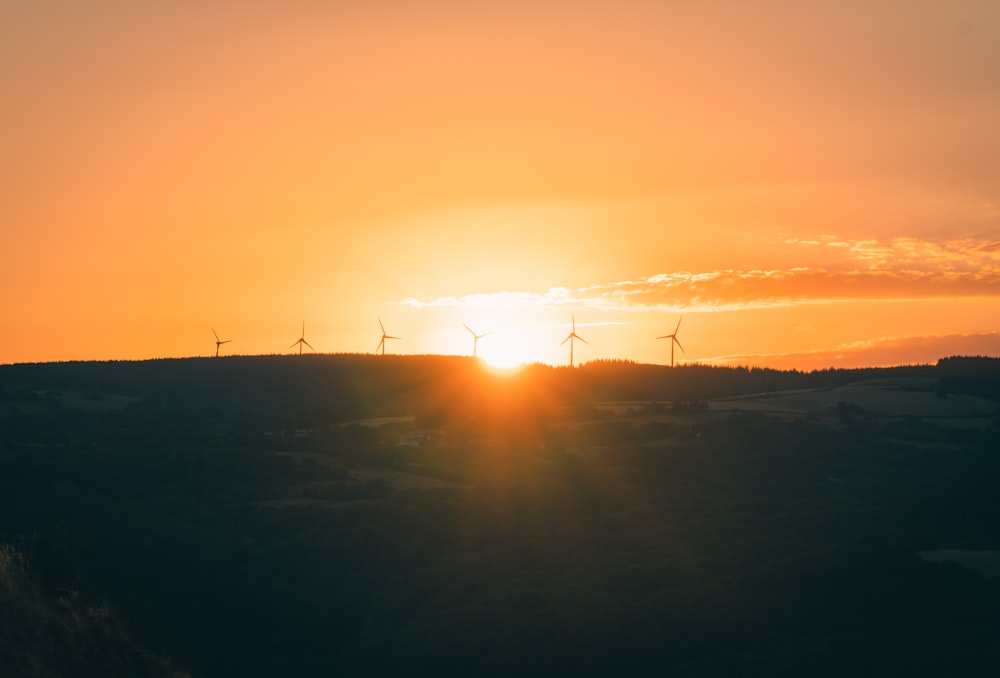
{"x":324,"y":515}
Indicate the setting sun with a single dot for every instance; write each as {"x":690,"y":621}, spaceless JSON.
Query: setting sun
{"x":505,"y":357}
{"x":507,"y":349}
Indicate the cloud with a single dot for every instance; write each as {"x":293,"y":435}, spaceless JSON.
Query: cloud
{"x":857,"y":270}
{"x":989,"y":247}
{"x":965,"y":254}
{"x":885,"y":351}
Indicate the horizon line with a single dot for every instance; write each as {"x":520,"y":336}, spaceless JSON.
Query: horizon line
{"x":719,"y":362}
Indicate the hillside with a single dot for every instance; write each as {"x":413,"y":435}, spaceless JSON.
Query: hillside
{"x":324,"y":515}
{"x":48,"y":629}
{"x":332,"y":388}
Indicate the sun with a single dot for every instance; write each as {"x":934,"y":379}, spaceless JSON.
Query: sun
{"x":508,"y":350}
{"x":502,"y":357}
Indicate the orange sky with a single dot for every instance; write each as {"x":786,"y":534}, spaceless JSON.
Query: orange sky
{"x":807,"y":184}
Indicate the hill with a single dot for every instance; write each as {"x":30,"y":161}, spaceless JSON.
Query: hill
{"x":332,"y":388}
{"x":357,"y":515}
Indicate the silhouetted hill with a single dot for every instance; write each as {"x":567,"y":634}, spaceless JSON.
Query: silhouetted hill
{"x":613,"y":519}
{"x":299,"y":390}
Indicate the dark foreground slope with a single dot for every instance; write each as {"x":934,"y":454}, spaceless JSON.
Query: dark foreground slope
{"x":47,"y":629}
{"x":497,"y":524}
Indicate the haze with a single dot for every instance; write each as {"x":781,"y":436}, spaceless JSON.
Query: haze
{"x":806,"y":184}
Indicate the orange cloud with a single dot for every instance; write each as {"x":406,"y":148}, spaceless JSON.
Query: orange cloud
{"x":857,"y":270}
{"x":964,"y":253}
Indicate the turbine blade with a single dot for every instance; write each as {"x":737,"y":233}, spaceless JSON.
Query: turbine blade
{"x":665,"y":336}
{"x":216,"y":335}
{"x":308,"y":344}
{"x":582,"y":339}
{"x":381,"y":325}
{"x":295,"y":344}
{"x":679,"y":345}
{"x":226,"y":341}
{"x":380,"y":345}
{"x":565,"y":340}
{"x":469,"y":328}
{"x":678,"y":324}
{"x":392,"y":337}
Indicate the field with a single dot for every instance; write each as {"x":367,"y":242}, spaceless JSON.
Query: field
{"x":347,"y":515}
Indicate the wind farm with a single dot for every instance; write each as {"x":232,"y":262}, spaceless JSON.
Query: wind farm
{"x":514,"y":346}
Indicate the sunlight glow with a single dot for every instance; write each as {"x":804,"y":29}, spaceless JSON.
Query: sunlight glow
{"x":503,"y":370}
{"x":508,"y":349}
{"x":503,"y":356}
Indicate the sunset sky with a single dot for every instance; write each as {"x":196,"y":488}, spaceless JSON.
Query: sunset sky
{"x":807,"y":184}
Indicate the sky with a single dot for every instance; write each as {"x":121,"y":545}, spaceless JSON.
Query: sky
{"x":799,"y":184}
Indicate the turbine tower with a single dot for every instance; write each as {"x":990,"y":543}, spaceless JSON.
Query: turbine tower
{"x":673,"y":340}
{"x":475,"y":338}
{"x":302,"y":340}
{"x":219,"y":342}
{"x":381,"y":344}
{"x":570,"y":338}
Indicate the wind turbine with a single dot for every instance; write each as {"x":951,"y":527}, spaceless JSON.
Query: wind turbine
{"x":219,"y":342}
{"x":302,"y":340}
{"x":570,"y":338}
{"x":475,"y":338}
{"x":381,"y":344}
{"x":673,"y":340}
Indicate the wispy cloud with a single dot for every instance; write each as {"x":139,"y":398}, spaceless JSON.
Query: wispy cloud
{"x":853,"y":270}
{"x":964,"y":254}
